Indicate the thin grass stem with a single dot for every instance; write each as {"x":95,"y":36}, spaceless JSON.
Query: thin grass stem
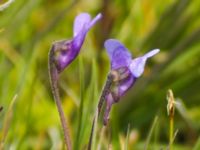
{"x":92,"y":133}
{"x":105,"y":91}
{"x":170,"y":110}
{"x":127,"y":138}
{"x":81,"y":106}
{"x":101,"y":137}
{"x":171,"y":132}
{"x":7,"y":122}
{"x":150,"y":133}
{"x":100,"y":104}
{"x":197,"y":145}
{"x":6,"y":4}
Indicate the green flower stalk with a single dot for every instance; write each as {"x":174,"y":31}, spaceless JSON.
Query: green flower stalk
{"x":170,"y":111}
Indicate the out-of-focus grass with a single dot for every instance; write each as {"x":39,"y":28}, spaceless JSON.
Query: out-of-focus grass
{"x":27,"y":29}
{"x":7,"y":122}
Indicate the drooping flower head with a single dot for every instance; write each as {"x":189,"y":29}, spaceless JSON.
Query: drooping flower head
{"x":61,"y":54}
{"x":124,"y":71}
{"x":65,"y":51}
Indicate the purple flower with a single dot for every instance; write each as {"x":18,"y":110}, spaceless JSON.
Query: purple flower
{"x":61,"y":54}
{"x":124,"y":71}
{"x":65,"y":51}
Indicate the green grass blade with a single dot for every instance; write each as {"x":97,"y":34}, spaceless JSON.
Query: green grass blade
{"x":81,"y":106}
{"x":94,"y":89}
{"x":127,"y":138}
{"x":150,"y":132}
{"x":95,"y":97}
{"x":197,"y":145}
{"x":7,"y":121}
{"x":92,"y":140}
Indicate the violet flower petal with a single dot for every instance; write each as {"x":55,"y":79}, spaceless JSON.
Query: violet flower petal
{"x":109,"y":103}
{"x":126,"y":85}
{"x":124,"y":70}
{"x":62,"y":54}
{"x":67,"y":50}
{"x":82,"y":24}
{"x":137,"y":65}
{"x":93,"y":21}
{"x":119,"y":55}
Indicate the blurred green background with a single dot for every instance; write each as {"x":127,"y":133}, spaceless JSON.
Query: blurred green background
{"x":30,"y":120}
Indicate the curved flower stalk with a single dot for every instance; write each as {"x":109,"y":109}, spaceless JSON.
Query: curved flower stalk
{"x":123,"y":74}
{"x":61,"y":54}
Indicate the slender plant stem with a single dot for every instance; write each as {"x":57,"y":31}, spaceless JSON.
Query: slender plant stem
{"x":127,"y":138}
{"x":7,"y":122}
{"x":54,"y":75}
{"x":102,"y":132}
{"x":171,"y":131}
{"x":105,"y":91}
{"x":150,"y":132}
{"x":91,"y":133}
{"x":170,"y":110}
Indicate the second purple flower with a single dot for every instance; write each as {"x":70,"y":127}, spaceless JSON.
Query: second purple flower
{"x":124,"y":72}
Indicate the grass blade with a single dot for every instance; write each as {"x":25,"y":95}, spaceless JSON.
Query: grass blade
{"x":6,"y":4}
{"x":168,"y":147}
{"x":151,"y":132}
{"x":197,"y":145}
{"x":82,"y":91}
{"x":127,"y":138}
{"x":92,"y":140}
{"x":7,"y":122}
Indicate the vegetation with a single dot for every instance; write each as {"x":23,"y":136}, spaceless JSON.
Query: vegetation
{"x":29,"y":117}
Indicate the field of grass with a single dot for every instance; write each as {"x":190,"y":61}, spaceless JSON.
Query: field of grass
{"x":28,"y":115}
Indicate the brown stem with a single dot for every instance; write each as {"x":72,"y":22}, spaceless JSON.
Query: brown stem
{"x":54,"y":75}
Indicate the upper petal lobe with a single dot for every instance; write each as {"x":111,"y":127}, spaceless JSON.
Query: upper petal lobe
{"x":118,"y":54}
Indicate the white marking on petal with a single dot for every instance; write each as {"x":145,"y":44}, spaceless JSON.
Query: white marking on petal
{"x":98,"y":17}
{"x":152,"y":53}
{"x":123,"y":87}
{"x":137,"y":65}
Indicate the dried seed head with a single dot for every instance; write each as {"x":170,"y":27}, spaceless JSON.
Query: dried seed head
{"x":171,"y":103}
